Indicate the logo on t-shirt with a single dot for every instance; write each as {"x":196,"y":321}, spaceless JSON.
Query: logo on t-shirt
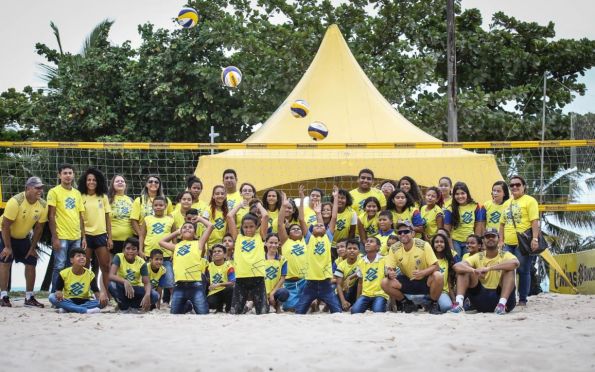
{"x":219,"y":223}
{"x":158,"y":228}
{"x":319,"y":248}
{"x":248,"y":245}
{"x":217,"y":278}
{"x":297,"y":250}
{"x":340,"y":225}
{"x":311,"y":219}
{"x":129,"y":275}
{"x":495,"y":217}
{"x":271,"y":272}
{"x":361,"y":204}
{"x":69,"y":203}
{"x":230,"y":203}
{"x":371,"y":274}
{"x":183,"y":250}
{"x":467,"y":217}
{"x":76,"y":289}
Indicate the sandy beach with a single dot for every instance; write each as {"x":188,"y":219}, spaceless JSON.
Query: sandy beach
{"x":555,"y":332}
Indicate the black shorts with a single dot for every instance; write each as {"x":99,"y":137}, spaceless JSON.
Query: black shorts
{"x":409,"y":286}
{"x":485,"y":300}
{"x":20,"y":248}
{"x":96,"y":241}
{"x":118,"y":247}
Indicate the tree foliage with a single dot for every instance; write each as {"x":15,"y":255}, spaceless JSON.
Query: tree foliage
{"x":168,"y":89}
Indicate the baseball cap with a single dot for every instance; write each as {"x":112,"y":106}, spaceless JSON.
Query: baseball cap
{"x":404,"y":223}
{"x":33,"y":182}
{"x":491,"y":231}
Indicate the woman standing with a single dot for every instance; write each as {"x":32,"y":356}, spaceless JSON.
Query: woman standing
{"x":521,"y":212}
{"x":464,"y":217}
{"x":495,"y":207}
{"x":143,"y":205}
{"x":121,"y":205}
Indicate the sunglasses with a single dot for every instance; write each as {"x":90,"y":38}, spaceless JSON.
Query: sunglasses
{"x":153,"y":181}
{"x":515,"y":184}
{"x":403,"y":232}
{"x":295,"y":229}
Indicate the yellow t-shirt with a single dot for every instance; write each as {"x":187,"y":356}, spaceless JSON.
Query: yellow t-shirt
{"x":188,"y":264}
{"x":220,"y":274}
{"x":429,"y":217}
{"x":295,"y":253}
{"x":492,"y":278}
{"x":372,"y":274}
{"x":143,"y":207}
{"x":370,"y":225}
{"x":180,"y":219}
{"x":69,"y":205}
{"x":233,"y":199}
{"x":345,"y":220}
{"x":273,"y":271}
{"x":419,"y":257}
{"x":155,"y":276}
{"x":383,"y":237}
{"x":309,"y":216}
{"x":219,"y":228}
{"x":77,"y":286}
{"x":493,"y":214}
{"x":120,"y":217}
{"x":443,"y":265}
{"x":359,"y":198}
{"x":96,"y":208}
{"x":131,"y":271}
{"x":345,"y":270}
{"x":157,"y":229}
{"x":468,"y":214}
{"x":318,"y":254}
{"x":249,"y":256}
{"x":240,"y":214}
{"x":24,"y":215}
{"x":524,"y":209}
{"x":273,"y":221}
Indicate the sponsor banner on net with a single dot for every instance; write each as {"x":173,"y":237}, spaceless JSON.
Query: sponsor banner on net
{"x":580,"y":269}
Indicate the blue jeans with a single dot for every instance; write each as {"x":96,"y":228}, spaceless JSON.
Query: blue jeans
{"x":189,"y":291}
{"x":295,"y":289}
{"x":124,"y":303}
{"x":61,"y":260}
{"x":70,"y":306}
{"x":524,"y":271}
{"x":363,"y":303}
{"x":281,"y":295}
{"x":321,"y":290}
{"x":444,"y":302}
{"x":459,"y":247}
{"x":168,"y":280}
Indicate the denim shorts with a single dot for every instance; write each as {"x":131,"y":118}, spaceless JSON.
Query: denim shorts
{"x":96,"y":241}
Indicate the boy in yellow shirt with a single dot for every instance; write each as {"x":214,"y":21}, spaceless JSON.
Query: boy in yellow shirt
{"x":65,"y":216}
{"x":74,"y":286}
{"x":222,"y":278}
{"x":371,"y":271}
{"x":346,"y":275}
{"x":156,"y":274}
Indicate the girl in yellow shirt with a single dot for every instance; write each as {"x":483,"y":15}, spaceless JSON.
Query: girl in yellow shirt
{"x":272,"y":200}
{"x":218,"y":215}
{"x":121,"y":206}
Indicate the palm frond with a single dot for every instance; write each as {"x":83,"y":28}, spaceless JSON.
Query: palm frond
{"x":94,"y":36}
{"x":57,"y":35}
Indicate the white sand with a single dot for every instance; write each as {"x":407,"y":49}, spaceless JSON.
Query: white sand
{"x":554,"y":333}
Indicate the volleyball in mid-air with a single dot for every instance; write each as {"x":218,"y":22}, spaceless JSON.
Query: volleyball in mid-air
{"x":231,"y":76}
{"x":300,"y":108}
{"x":318,"y":131}
{"x":187,"y":18}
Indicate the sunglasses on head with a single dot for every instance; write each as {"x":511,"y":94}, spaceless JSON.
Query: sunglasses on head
{"x":403,"y":232}
{"x":516,"y":184}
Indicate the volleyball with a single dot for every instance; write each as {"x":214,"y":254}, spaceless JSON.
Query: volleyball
{"x":317,"y":131}
{"x":231,"y":76}
{"x":187,"y":18}
{"x":300,"y":108}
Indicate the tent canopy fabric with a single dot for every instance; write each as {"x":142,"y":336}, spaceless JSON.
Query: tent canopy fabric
{"x":342,"y":97}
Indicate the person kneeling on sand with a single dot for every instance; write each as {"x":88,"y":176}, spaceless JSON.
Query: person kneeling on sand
{"x":370,"y":270}
{"x":73,"y":286}
{"x":129,"y":279}
{"x":418,"y":265}
{"x":487,"y":278}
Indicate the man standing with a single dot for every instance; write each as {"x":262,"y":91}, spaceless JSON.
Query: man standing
{"x":24,"y":211}
{"x":487,"y":278}
{"x":419,"y":272}
{"x":230,"y":181}
{"x":364,"y":190}
{"x":65,"y":215}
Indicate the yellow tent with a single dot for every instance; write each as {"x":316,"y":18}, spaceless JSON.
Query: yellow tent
{"x":345,"y":100}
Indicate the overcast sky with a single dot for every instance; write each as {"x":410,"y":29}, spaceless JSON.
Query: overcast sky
{"x":23,"y":23}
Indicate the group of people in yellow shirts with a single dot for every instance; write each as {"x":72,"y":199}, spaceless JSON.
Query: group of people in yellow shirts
{"x":377,"y":247}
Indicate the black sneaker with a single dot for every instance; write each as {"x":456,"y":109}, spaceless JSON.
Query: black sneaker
{"x":32,"y":302}
{"x":434,"y":308}
{"x":5,"y":302}
{"x":409,"y":306}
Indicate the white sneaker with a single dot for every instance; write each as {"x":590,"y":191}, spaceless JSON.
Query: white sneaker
{"x":61,"y":311}
{"x":94,"y":310}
